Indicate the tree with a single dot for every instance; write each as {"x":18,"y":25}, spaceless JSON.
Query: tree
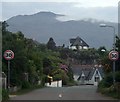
{"x":4,"y":26}
{"x":118,"y":49}
{"x":51,"y":44}
{"x":118,"y":43}
{"x":101,"y":50}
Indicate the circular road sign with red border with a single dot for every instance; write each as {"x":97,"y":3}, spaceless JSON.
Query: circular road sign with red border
{"x":8,"y":54}
{"x":113,"y":55}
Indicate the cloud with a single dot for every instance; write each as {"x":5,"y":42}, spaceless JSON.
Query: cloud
{"x":11,"y":9}
{"x":97,"y":3}
{"x":79,"y":3}
{"x":0,"y":10}
{"x":99,"y":13}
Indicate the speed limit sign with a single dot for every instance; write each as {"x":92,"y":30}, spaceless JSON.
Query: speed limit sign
{"x":113,"y":55}
{"x":8,"y":54}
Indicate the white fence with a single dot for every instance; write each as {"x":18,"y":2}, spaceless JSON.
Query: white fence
{"x":54,"y":84}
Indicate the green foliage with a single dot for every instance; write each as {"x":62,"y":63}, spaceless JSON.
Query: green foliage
{"x":118,"y":49}
{"x":70,"y":74}
{"x":107,"y":81}
{"x":51,"y":44}
{"x":4,"y":25}
{"x":25,"y":85}
{"x":60,"y":74}
{"x":117,"y":76}
{"x":31,"y":57}
{"x":102,"y":50}
{"x":46,"y":62}
{"x":43,"y":80}
{"x":65,"y":52}
{"x":118,"y":43}
{"x":106,"y":85}
{"x":5,"y":95}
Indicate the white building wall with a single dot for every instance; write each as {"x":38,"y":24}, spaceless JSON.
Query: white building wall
{"x":85,"y":47}
{"x":76,"y":77}
{"x":54,"y":84}
{"x":80,"y":47}
{"x":92,"y":81}
{"x":73,"y":47}
{"x":3,"y":82}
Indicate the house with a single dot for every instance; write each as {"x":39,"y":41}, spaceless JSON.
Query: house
{"x":90,"y":76}
{"x":78,"y":43}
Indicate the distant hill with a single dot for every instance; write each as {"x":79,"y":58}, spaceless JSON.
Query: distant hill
{"x":43,"y":25}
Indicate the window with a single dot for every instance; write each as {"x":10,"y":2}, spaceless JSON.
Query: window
{"x":97,"y":78}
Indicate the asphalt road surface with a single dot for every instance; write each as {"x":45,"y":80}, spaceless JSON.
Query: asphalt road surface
{"x":83,"y":92}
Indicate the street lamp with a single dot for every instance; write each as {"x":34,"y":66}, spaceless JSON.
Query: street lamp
{"x":114,"y":47}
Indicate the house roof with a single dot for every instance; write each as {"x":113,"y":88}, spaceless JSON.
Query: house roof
{"x":88,"y":72}
{"x":78,"y":41}
{"x":91,"y":74}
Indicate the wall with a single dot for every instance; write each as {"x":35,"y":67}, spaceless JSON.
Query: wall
{"x":54,"y":84}
{"x":80,"y":47}
{"x":3,"y":83}
{"x":92,"y":81}
{"x":76,"y":77}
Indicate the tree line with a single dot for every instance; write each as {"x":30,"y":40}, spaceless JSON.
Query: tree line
{"x":33,"y":61}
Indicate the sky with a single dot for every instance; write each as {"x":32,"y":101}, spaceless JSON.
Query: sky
{"x":105,"y":10}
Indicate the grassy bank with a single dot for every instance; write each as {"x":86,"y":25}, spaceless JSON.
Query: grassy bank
{"x":112,"y":91}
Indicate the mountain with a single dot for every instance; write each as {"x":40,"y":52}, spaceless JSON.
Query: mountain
{"x":43,"y":25}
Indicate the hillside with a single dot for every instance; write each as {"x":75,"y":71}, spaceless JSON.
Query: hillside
{"x":43,"y":25}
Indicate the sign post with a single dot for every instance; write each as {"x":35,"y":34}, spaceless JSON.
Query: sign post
{"x":113,"y":56}
{"x":8,"y":55}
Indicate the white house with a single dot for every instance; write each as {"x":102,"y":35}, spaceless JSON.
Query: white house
{"x":78,"y":43}
{"x":89,"y":76}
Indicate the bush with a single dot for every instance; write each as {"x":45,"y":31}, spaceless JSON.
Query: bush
{"x":106,"y":85}
{"x":107,"y":81}
{"x":25,"y":85}
{"x":5,"y":95}
{"x":43,"y":80}
{"x":57,"y":77}
{"x":117,"y":76}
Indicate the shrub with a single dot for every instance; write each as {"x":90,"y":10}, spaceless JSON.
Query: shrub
{"x":107,"y":81}
{"x":5,"y":95}
{"x":117,"y":76}
{"x":106,"y":85}
{"x":25,"y":85}
{"x":43,"y":80}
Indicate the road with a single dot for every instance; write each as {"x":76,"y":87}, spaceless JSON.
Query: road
{"x":84,"y":92}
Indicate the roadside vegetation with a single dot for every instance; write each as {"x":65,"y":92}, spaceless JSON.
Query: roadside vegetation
{"x":106,"y":85}
{"x":34,"y":62}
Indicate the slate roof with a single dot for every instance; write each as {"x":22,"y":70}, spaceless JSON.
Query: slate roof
{"x":88,"y":72}
{"x":78,"y":41}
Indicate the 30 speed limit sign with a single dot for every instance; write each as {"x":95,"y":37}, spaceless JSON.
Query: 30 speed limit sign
{"x":8,"y":54}
{"x":113,"y":55}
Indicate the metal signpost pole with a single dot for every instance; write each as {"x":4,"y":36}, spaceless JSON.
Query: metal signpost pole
{"x":8,"y":74}
{"x":8,"y":55}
